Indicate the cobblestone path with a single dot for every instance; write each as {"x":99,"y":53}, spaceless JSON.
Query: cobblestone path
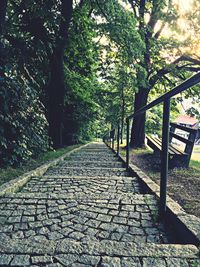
{"x":87,"y":211}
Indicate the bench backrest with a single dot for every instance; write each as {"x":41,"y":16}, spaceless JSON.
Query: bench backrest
{"x":189,"y":141}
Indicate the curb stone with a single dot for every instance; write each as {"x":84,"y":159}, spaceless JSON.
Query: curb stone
{"x":15,"y":184}
{"x":187,"y":226}
{"x":108,"y":248}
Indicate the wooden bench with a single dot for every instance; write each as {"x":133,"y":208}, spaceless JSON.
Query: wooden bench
{"x":177,"y":157}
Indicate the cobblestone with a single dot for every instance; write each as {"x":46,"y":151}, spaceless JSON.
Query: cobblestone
{"x":86,"y":211}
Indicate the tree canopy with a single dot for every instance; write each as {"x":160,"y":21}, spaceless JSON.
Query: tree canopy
{"x":72,"y":69}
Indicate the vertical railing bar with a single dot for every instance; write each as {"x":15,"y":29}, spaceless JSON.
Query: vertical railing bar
{"x":110,"y":140}
{"x":113,"y":139}
{"x":118,"y":138}
{"x":127,"y":144}
{"x":113,"y":142}
{"x":164,"y":159}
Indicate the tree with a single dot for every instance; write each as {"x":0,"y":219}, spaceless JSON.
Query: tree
{"x":23,"y":126}
{"x":38,"y":47}
{"x":122,"y":47}
{"x":154,"y":68}
{"x":56,"y":85}
{"x":43,"y":35}
{"x":81,"y":64}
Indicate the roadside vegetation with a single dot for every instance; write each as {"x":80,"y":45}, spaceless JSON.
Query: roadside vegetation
{"x":9,"y":173}
{"x":70,"y":70}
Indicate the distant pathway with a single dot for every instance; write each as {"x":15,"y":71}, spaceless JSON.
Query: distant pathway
{"x":87,"y":211}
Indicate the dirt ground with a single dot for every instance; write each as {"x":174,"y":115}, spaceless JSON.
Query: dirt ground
{"x":183,"y":184}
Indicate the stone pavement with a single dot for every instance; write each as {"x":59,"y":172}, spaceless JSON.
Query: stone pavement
{"x":87,"y":211}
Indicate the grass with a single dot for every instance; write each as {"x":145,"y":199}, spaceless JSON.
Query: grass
{"x":195,"y":164}
{"x":9,"y":173}
{"x":197,"y":148}
{"x":183,"y":184}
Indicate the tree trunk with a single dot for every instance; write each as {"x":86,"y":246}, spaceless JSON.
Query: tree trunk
{"x":56,"y":92}
{"x":56,"y":87}
{"x":138,"y":127}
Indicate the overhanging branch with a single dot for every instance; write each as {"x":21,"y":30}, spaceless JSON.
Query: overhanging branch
{"x":194,"y":66}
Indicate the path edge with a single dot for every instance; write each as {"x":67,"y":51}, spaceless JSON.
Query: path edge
{"x":186,"y":226}
{"x":15,"y":184}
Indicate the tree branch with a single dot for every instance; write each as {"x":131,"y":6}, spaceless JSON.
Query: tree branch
{"x":153,"y":80}
{"x":133,"y":7}
{"x":153,"y":16}
{"x":104,"y":14}
{"x":141,"y":13}
{"x":158,"y":33}
{"x":187,"y":59}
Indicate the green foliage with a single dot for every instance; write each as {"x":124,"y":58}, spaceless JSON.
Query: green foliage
{"x":154,"y":120}
{"x":9,"y":173}
{"x":23,"y":131}
{"x":23,"y":125}
{"x":111,"y":54}
{"x":193,"y":112}
{"x":80,"y":111}
{"x":152,"y":56}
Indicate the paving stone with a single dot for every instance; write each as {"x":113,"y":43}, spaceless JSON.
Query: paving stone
{"x":154,"y":262}
{"x":21,"y":260}
{"x":90,"y":260}
{"x":76,"y":235}
{"x":154,"y":239}
{"x":110,"y":262}
{"x":5,"y":259}
{"x":66,"y":259}
{"x":18,"y":235}
{"x":54,"y":265}
{"x":177,"y":262}
{"x":130,"y":262}
{"x":116,"y":236}
{"x":43,"y":231}
{"x":37,"y":238}
{"x":120,"y":220}
{"x":55,"y":235}
{"x":136,"y":230}
{"x":91,"y":231}
{"x":103,"y":234}
{"x":41,"y":259}
{"x":14,"y":219}
{"x":80,"y":265}
{"x":86,"y":211}
{"x":104,"y":218}
{"x":30,"y":233}
{"x":93,"y":223}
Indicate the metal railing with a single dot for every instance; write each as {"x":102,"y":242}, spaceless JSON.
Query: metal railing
{"x":110,"y":137}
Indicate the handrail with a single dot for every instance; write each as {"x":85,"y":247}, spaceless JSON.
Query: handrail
{"x":176,"y":90}
{"x":165,"y":98}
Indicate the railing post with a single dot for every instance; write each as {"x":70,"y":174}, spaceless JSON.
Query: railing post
{"x":110,"y":139}
{"x":118,"y":137}
{"x":113,"y":138}
{"x":127,"y":143}
{"x":113,"y":142}
{"x":164,"y":159}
